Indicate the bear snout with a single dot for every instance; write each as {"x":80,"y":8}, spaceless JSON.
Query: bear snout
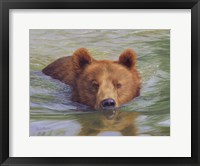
{"x":108,"y":103}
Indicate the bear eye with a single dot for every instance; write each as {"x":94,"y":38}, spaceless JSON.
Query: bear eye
{"x":119,"y":85}
{"x":95,"y":84}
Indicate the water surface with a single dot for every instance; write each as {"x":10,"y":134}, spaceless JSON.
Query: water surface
{"x":52,"y":113}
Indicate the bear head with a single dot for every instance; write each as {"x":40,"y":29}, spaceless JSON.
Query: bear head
{"x":105,"y":84}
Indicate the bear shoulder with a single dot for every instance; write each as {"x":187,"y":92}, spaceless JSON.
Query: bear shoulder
{"x":61,"y":69}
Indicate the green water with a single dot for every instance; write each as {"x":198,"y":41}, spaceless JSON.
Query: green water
{"x":52,"y":113}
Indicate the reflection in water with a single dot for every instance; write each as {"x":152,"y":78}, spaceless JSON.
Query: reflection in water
{"x":108,"y":122}
{"x":53,"y":113}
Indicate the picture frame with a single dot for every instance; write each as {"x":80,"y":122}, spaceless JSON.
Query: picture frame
{"x":5,"y":5}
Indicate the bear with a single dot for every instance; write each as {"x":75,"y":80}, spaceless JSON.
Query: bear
{"x":99,"y":84}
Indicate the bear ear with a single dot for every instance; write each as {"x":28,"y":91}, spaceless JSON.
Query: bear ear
{"x":128,"y":58}
{"x":81,"y":58}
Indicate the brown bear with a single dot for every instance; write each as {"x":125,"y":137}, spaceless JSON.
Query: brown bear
{"x":100,"y":84}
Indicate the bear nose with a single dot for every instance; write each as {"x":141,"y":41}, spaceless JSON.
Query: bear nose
{"x":108,"y":103}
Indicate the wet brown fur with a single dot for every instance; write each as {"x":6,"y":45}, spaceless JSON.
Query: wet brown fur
{"x":95,"y":80}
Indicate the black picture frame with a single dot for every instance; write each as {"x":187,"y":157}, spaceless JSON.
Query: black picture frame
{"x":5,"y":5}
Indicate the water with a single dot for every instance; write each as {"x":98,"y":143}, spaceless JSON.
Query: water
{"x":52,"y":113}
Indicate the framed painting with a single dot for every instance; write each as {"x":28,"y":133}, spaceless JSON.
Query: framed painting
{"x":99,"y":82}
